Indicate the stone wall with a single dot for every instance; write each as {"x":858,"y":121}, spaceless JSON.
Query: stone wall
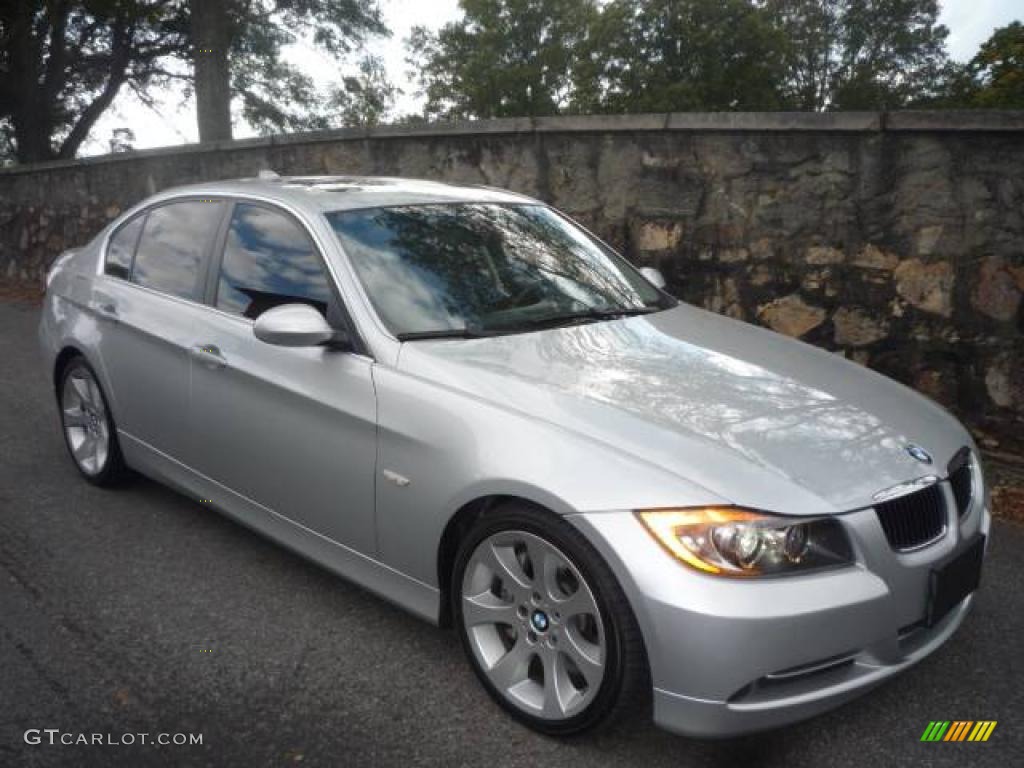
{"x":895,"y":239}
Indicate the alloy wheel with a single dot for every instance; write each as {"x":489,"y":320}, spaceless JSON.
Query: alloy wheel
{"x":85,"y":421}
{"x":533,"y":625}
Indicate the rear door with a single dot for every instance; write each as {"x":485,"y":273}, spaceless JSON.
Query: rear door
{"x":293,"y":429}
{"x":147,"y":301}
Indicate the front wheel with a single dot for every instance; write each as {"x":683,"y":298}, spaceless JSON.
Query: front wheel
{"x":544,"y":622}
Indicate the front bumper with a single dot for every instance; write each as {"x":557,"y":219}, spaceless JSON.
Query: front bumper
{"x":730,"y":657}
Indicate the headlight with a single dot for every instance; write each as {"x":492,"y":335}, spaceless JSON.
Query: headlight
{"x":736,"y":542}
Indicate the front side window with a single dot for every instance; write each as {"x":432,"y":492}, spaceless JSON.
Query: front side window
{"x":438,"y":269}
{"x":175,"y":238}
{"x":121,"y":249}
{"x":269,"y":260}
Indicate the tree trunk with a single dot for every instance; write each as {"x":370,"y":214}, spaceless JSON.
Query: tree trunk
{"x":29,"y":113}
{"x":211,"y":38}
{"x":32,"y":133}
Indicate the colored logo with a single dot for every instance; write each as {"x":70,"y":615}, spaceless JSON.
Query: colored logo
{"x":919,"y":453}
{"x":959,"y":730}
{"x":540,"y":621}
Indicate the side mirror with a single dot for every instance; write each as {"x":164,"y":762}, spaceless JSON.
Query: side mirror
{"x":293,"y":325}
{"x":654,"y":277}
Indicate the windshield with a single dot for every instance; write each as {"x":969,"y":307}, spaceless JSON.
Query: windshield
{"x":479,"y":268}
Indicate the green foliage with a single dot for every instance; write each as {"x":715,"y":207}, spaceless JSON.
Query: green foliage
{"x":62,"y":64}
{"x":275,"y":94}
{"x":680,"y":55}
{"x":502,"y":58}
{"x":366,"y":98}
{"x":535,"y":57}
{"x":997,"y":71}
{"x":861,"y":54}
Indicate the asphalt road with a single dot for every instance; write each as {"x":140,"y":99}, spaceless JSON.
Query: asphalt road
{"x":140,"y":611}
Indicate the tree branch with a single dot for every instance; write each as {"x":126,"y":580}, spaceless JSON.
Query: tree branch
{"x":120,"y":58}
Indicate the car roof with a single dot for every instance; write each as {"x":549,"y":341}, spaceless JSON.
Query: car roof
{"x":336,"y":193}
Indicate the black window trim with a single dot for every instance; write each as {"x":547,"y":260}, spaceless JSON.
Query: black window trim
{"x":209,"y":298}
{"x":202,"y":270}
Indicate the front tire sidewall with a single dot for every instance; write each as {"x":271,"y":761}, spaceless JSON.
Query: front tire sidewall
{"x":588,"y":562}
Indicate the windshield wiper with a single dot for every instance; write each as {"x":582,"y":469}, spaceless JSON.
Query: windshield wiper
{"x":550,"y":321}
{"x":447,"y":333}
{"x":553,"y":321}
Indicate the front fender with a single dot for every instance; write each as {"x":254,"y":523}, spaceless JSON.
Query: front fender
{"x":440,"y":449}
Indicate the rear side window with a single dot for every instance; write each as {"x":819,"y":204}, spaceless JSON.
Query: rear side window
{"x":269,"y":260}
{"x":121,"y":249}
{"x":174,"y":240}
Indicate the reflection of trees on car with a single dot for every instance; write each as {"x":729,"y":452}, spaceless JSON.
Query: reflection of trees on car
{"x":482,"y":260}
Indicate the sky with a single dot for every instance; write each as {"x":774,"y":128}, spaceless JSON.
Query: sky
{"x":970,"y":22}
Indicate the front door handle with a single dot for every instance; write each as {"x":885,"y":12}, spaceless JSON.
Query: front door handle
{"x":209,"y":355}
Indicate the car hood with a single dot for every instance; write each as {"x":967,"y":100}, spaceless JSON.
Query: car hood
{"x":752,"y":416}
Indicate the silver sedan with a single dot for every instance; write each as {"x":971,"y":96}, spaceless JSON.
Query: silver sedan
{"x":468,"y":404}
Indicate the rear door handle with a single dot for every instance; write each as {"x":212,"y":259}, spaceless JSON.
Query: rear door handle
{"x":209,"y":355}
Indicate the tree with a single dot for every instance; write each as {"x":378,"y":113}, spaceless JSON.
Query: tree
{"x":535,"y":57}
{"x":996,"y":73}
{"x":211,"y":25}
{"x":366,"y":98}
{"x":274,"y":94}
{"x":502,"y":58}
{"x":680,"y":55}
{"x":122,"y":140}
{"x":861,"y":54}
{"x":62,"y":64}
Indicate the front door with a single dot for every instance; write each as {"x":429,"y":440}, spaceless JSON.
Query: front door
{"x":293,"y":429}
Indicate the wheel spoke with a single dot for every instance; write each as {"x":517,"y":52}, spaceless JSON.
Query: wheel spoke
{"x":74,"y":417}
{"x":485,"y":608}
{"x":81,"y":387}
{"x":557,"y":688}
{"x":511,"y":668}
{"x":539,"y":555}
{"x":99,"y":452}
{"x":585,"y":655}
{"x":547,"y":570}
{"x":502,"y":561}
{"x":95,"y":398}
{"x":579,"y":603}
{"x":85,"y":449}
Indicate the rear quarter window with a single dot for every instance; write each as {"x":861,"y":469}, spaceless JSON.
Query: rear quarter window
{"x":121,"y":249}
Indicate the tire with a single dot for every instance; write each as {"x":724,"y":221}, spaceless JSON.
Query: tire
{"x":87,"y":424}
{"x":556,"y":644}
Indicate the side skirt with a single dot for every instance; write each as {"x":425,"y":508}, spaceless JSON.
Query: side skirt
{"x":404,"y":591}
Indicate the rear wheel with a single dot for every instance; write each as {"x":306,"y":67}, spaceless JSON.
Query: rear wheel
{"x":89,"y":430}
{"x":544,"y":622}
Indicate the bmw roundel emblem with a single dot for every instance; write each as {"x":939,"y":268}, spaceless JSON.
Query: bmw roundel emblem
{"x":919,"y":453}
